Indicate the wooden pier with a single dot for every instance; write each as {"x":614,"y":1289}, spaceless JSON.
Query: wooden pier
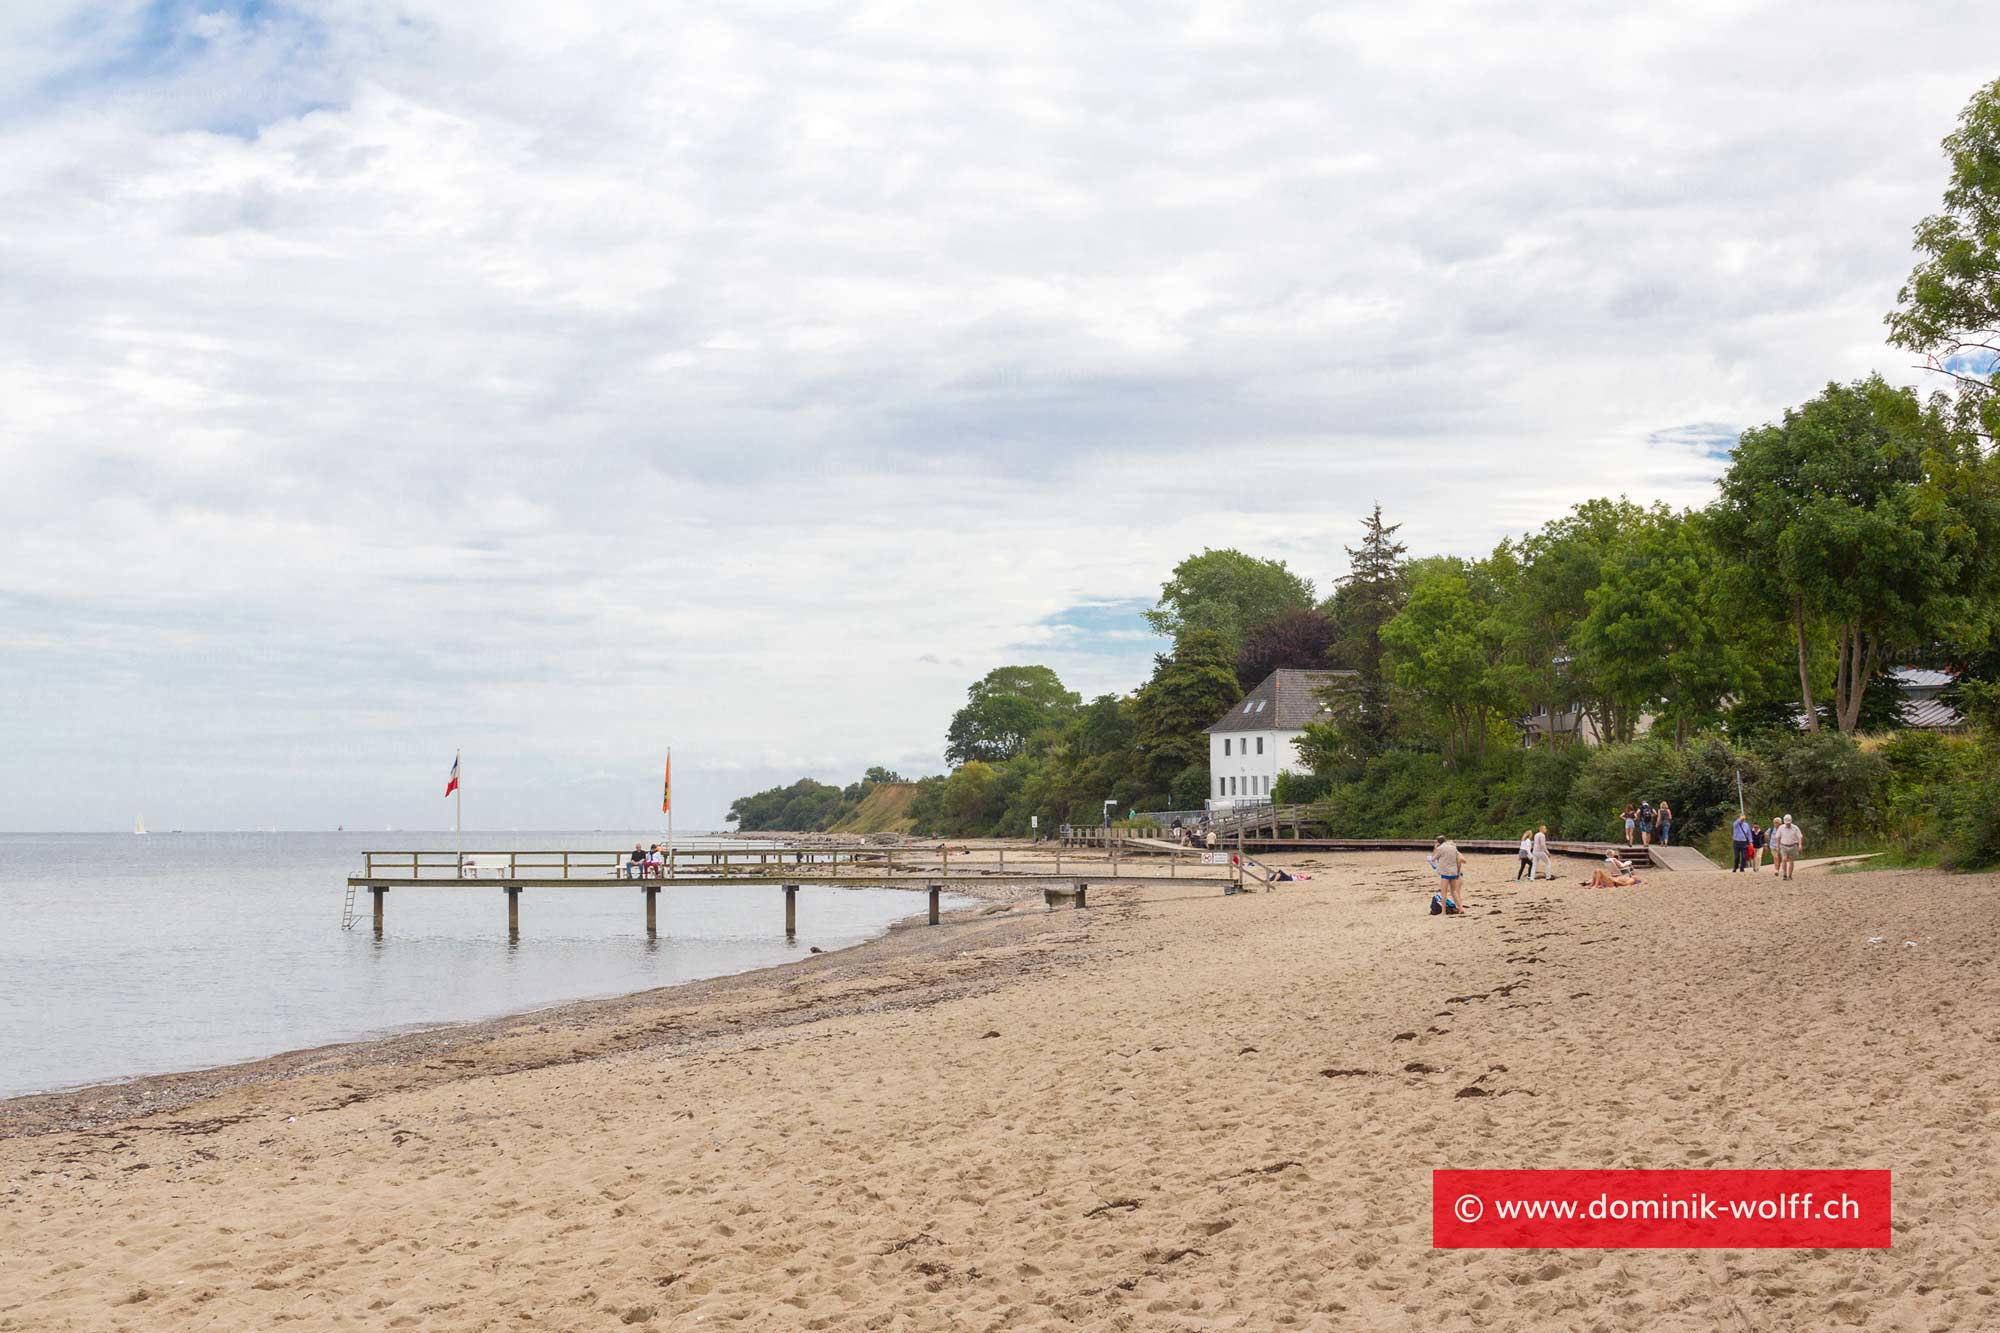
{"x":1063,"y":876}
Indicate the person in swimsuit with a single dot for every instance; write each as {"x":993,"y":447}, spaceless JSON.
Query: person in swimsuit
{"x":1450,"y":866}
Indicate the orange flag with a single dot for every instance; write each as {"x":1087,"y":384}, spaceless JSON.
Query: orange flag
{"x":667,"y":785}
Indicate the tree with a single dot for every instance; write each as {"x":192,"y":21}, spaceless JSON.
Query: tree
{"x":1228,"y":592}
{"x":1949,"y":310}
{"x":1188,"y":692}
{"x":1442,"y":650}
{"x":804,"y":807}
{"x":1105,"y":726}
{"x":1659,"y":633}
{"x":1298,"y":638}
{"x":1367,"y":599}
{"x":1004,"y":708}
{"x":1870,"y":513}
{"x":1560,"y":566}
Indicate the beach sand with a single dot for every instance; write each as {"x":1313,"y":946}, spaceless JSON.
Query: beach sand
{"x":1191,"y":1112}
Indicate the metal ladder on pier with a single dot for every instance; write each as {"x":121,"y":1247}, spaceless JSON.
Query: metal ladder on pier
{"x":348,"y":916}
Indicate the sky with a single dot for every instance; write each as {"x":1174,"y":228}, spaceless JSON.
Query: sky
{"x":560,"y":383}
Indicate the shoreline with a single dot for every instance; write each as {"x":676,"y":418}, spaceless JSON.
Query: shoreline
{"x":1175,"y":1109}
{"x":86,"y":1107}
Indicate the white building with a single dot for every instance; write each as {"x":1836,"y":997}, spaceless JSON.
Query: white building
{"x":1259,"y":738}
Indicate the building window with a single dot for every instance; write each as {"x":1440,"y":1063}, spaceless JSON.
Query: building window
{"x":1260,"y":745}
{"x":1225,"y":747}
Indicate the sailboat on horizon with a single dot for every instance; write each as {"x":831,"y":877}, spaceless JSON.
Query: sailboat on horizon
{"x":139,"y":824}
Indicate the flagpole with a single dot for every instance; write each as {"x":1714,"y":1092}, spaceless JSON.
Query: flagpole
{"x":458,"y":813}
{"x":670,"y":801}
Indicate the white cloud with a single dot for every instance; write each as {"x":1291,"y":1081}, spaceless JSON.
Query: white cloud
{"x":562,"y":381}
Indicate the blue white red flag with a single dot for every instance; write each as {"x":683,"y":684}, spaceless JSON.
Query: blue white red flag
{"x":452,"y":786}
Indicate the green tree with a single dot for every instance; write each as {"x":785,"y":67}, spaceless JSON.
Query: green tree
{"x":804,"y":807}
{"x":1869,"y":513}
{"x":1105,"y":726}
{"x":1561,"y":565}
{"x":1443,"y":649}
{"x":1228,"y":592}
{"x":1189,"y":690}
{"x":1949,"y":310}
{"x":973,"y":798}
{"x":1367,"y":599}
{"x":1004,"y":709}
{"x":1659,"y":633}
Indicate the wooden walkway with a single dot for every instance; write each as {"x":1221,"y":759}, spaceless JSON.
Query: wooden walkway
{"x":934,"y":867}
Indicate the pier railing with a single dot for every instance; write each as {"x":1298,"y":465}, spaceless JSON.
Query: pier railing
{"x":935,"y":867}
{"x":818,"y":863}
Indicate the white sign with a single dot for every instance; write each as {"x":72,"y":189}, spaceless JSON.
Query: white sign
{"x":1034,"y":821}
{"x":1215,"y":858}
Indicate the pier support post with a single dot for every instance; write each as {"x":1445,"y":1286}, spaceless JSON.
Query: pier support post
{"x":934,"y":904}
{"x":1081,"y":890}
{"x":513,"y":914}
{"x":652,"y":892}
{"x":379,"y":891}
{"x":791,"y":910}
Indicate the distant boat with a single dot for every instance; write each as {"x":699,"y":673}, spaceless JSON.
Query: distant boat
{"x":139,"y":824}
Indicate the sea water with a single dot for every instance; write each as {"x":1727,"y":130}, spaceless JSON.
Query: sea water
{"x":123,"y":954}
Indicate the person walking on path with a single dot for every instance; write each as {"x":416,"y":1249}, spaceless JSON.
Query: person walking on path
{"x":1450,"y":867}
{"x":1739,"y":839}
{"x":1646,"y":823}
{"x":1789,"y":841}
{"x":1527,"y":866}
{"x":1663,"y":817}
{"x":1631,"y":818}
{"x":1542,"y":866}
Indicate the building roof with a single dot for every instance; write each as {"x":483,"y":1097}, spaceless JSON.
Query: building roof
{"x":1921,"y":678}
{"x":1930,"y":715}
{"x":1282,"y":701}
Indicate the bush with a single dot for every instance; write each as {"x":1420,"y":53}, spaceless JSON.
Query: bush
{"x":1413,"y":794}
{"x":1611,"y":778}
{"x":1300,"y":788}
{"x":1824,"y":777}
{"x":1190,"y":788}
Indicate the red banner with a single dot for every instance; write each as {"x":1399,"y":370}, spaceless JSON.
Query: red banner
{"x":1698,"y":1210}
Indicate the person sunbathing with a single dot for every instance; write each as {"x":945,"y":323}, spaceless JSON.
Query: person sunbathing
{"x":1613,"y":874}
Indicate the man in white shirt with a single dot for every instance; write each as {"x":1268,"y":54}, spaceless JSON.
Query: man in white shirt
{"x":1787,"y":841}
{"x":1543,"y":868}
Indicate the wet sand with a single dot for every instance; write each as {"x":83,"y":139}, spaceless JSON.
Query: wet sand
{"x":1174,"y":1110}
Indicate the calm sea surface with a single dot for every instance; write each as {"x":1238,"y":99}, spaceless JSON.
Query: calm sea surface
{"x":123,"y":954}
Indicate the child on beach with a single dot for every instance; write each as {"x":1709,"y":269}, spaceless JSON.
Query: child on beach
{"x":1527,"y":866}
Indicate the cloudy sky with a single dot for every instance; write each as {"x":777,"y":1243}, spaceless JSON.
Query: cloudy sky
{"x":565,"y":381}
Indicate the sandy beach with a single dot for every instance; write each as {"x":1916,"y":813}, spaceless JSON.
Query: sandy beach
{"x":1174,"y":1110}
